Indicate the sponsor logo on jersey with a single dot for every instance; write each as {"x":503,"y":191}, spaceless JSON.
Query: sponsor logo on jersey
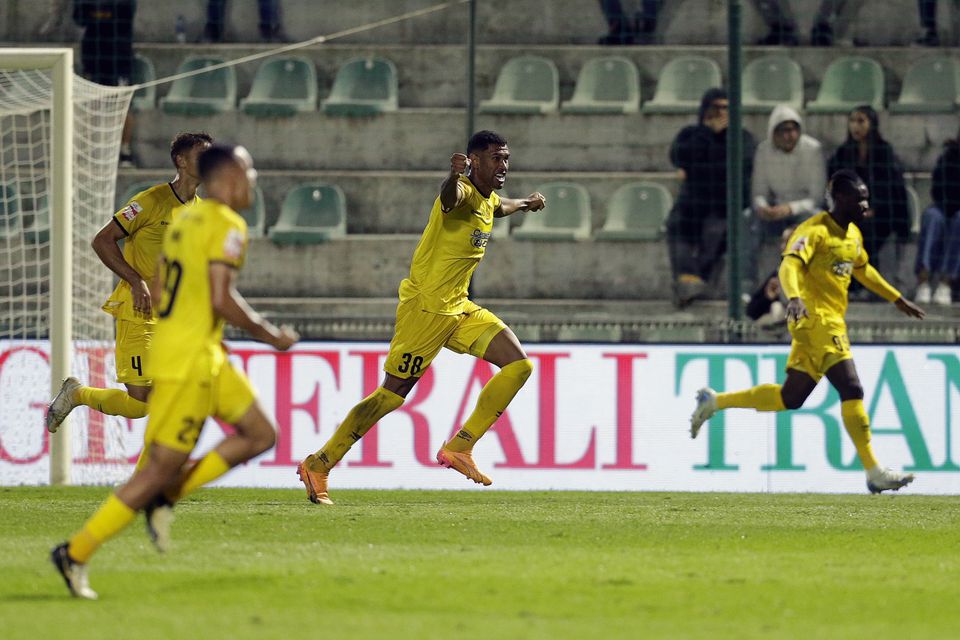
{"x":233,"y":244}
{"x":842,"y":268}
{"x":799,"y":245}
{"x":479,"y":238}
{"x":130,"y":211}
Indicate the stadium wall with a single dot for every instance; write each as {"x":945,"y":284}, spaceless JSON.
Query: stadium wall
{"x":591,"y":417}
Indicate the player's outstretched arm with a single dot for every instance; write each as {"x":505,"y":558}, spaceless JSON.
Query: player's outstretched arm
{"x":230,"y":305}
{"x":909,"y":308}
{"x":533,"y":202}
{"x":106,"y":246}
{"x":789,"y":276}
{"x":451,"y":194}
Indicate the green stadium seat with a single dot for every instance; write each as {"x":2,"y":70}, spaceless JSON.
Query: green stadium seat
{"x":526,"y":84}
{"x":590,"y":333}
{"x":567,"y":216}
{"x":772,"y":80}
{"x":143,"y":71}
{"x":311,"y":213}
{"x":637,"y":211}
{"x":848,"y":82}
{"x":682,"y":83}
{"x":606,"y":85}
{"x":282,"y":87}
{"x":256,"y":215}
{"x":203,"y":94}
{"x":930,"y":86}
{"x":11,"y":222}
{"x":132,"y":190}
{"x":363,"y":87}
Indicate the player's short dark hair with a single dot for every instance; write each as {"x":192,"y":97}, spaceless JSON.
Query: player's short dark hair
{"x":483,"y":139}
{"x":845,"y":180}
{"x":215,"y":157}
{"x":186,"y":140}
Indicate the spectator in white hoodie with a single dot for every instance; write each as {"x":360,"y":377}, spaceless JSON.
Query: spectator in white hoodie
{"x":789,"y":179}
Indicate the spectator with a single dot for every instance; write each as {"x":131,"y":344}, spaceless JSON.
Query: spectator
{"x":833,"y":16}
{"x":938,"y":247}
{"x":779,"y":19}
{"x":928,"y":20}
{"x":697,"y":225}
{"x":873,"y":159}
{"x":789,"y":179}
{"x":271,"y":26}
{"x":106,"y":52}
{"x":626,"y":30}
{"x":767,"y":305}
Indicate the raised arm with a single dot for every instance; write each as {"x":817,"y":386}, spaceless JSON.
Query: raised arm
{"x":508,"y":206}
{"x":451,"y":193}
{"x":106,"y":245}
{"x":230,"y":305}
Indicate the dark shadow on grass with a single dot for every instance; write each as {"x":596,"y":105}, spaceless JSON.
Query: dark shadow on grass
{"x":33,"y":597}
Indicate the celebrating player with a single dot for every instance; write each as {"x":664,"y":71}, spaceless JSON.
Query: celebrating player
{"x":820,"y":258}
{"x":435,"y":312}
{"x":193,"y":379}
{"x":140,"y":224}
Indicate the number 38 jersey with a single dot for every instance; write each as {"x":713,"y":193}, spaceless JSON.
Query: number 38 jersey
{"x":188,"y":332}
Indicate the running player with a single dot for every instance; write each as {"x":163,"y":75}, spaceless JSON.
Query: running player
{"x":820,"y":258}
{"x":435,"y":312}
{"x":202,"y":253}
{"x":140,"y":225}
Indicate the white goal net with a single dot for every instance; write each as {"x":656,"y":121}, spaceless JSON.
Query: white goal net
{"x":99,"y":447}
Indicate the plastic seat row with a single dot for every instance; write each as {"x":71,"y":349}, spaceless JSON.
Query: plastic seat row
{"x":281,"y":87}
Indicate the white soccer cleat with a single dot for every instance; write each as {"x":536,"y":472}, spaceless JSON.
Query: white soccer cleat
{"x":880,"y":479}
{"x":62,"y":405}
{"x":74,"y":573}
{"x":159,"y":517}
{"x":706,"y":407}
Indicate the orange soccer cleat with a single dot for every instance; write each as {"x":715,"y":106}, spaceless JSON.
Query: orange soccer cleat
{"x":315,"y":482}
{"x":462,"y":462}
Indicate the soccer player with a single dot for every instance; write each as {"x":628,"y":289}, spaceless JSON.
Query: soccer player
{"x":140,"y":225}
{"x":821,"y":256}
{"x":202,"y":252}
{"x":435,"y":312}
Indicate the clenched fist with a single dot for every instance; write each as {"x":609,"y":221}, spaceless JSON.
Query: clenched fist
{"x":459,"y":163}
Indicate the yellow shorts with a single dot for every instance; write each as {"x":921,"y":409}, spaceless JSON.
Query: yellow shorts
{"x":133,"y":351}
{"x":419,"y":336}
{"x":818,"y":344}
{"x":178,"y":409}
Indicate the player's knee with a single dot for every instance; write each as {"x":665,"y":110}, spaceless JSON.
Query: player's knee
{"x":522,"y":369}
{"x":792,"y":401}
{"x":265,"y":439}
{"x":851,"y":391}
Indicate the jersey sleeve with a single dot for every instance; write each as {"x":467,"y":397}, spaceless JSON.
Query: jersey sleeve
{"x":228,"y":242}
{"x":803,"y":243}
{"x":862,"y":258}
{"x":135,"y":214}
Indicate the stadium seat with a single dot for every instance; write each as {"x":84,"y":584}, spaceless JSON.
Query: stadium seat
{"x":682,"y":83}
{"x":606,"y":85}
{"x":526,"y":84}
{"x":590,"y":333}
{"x":772,"y":80}
{"x":915,"y":209}
{"x":10,"y":219}
{"x":256,"y":215}
{"x":363,"y":87}
{"x":637,"y":211}
{"x":930,"y":86}
{"x":566,"y":218}
{"x":311,"y":213}
{"x":143,"y":71}
{"x":501,"y":227}
{"x":282,"y":87}
{"x":848,"y":82}
{"x":203,"y":94}
{"x":132,"y":190}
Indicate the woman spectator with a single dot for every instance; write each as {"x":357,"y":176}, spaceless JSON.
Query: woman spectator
{"x":938,"y":248}
{"x":873,"y":159}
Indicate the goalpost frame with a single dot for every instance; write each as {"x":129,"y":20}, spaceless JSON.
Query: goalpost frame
{"x":60,"y":61}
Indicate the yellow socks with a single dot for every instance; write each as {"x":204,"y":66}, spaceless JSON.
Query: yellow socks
{"x":764,"y":397}
{"x":110,"y":519}
{"x":493,"y":400}
{"x":210,"y":467}
{"x":113,"y":402}
{"x":857,"y":424}
{"x":360,"y":420}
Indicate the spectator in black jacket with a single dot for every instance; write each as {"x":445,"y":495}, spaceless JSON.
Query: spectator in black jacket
{"x":873,"y":159}
{"x":938,"y":247}
{"x":697,"y":226}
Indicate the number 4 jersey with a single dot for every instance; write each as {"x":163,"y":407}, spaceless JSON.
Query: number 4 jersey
{"x":188,"y":332}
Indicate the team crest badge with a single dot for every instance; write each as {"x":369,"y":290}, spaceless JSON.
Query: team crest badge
{"x":799,"y":245}
{"x":130,"y":211}
{"x":233,"y":244}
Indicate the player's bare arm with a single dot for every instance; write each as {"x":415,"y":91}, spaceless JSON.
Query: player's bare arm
{"x":508,"y":206}
{"x":106,"y":246}
{"x":451,"y":194}
{"x":230,"y":305}
{"x":909,"y":308}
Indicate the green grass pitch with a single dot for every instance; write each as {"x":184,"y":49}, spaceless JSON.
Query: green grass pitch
{"x":430,"y":564}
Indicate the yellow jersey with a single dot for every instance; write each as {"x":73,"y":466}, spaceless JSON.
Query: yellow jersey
{"x":189,"y":333}
{"x":144,"y":220}
{"x":829,"y":254}
{"x":451,"y":247}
